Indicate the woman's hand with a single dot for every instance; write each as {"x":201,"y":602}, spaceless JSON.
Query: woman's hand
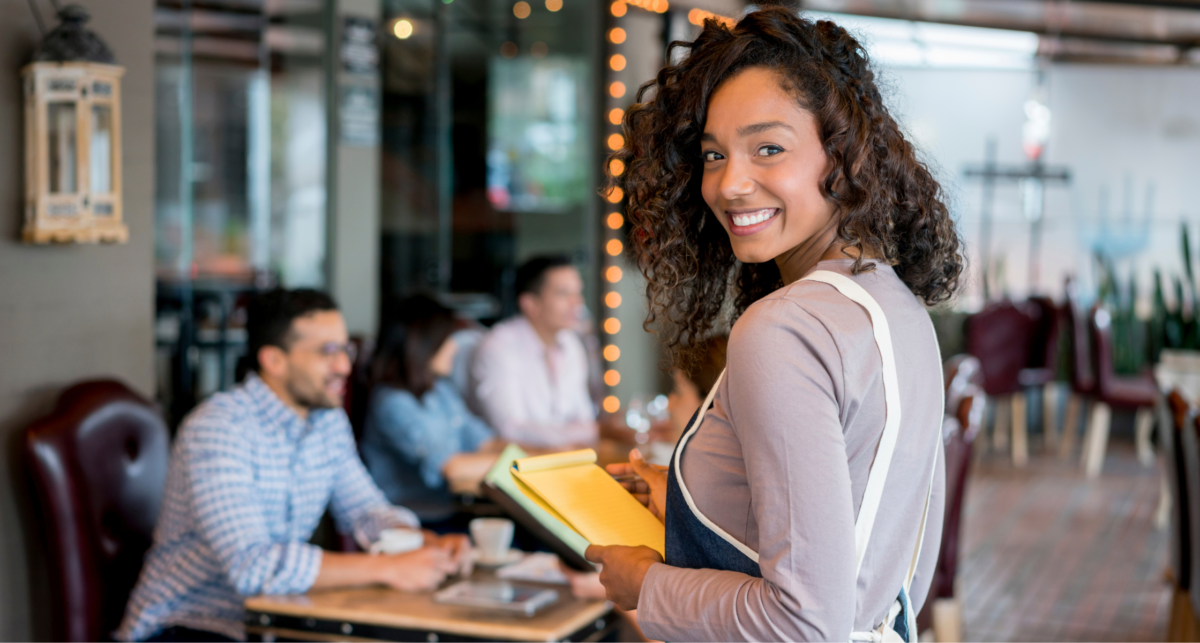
{"x":623,"y":569}
{"x":417,"y":570}
{"x":651,"y":490}
{"x":583,"y":584}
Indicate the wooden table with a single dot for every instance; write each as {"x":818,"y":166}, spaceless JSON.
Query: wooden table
{"x":377,"y":613}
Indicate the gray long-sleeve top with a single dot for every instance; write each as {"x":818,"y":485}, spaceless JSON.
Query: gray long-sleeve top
{"x":781,"y":463}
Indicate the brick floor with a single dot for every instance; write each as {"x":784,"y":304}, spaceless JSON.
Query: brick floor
{"x":1050,"y":556}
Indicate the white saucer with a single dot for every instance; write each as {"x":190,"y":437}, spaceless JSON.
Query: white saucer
{"x":513,"y":555}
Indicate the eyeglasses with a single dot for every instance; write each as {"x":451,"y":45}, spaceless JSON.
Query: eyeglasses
{"x":330,"y":350}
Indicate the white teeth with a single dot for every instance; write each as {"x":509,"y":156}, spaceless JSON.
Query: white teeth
{"x":751,"y":219}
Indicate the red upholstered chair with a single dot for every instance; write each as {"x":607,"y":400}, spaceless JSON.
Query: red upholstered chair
{"x":965,"y":401}
{"x":999,"y":336}
{"x":1184,"y":617}
{"x":1083,"y":374}
{"x":1115,"y":391}
{"x":99,"y":466}
{"x":1183,"y":624}
{"x":1042,"y":368}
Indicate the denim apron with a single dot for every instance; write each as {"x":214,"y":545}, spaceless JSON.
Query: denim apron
{"x":695,"y":542}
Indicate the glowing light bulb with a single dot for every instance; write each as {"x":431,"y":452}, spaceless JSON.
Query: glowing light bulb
{"x":615,"y":115}
{"x":616,"y":142}
{"x":613,"y":274}
{"x":615,"y":221}
{"x":612,"y":353}
{"x":612,"y":299}
{"x":616,"y":36}
{"x":521,"y":10}
{"x":614,"y":247}
{"x":617,"y":89}
{"x":612,"y":378}
{"x":616,"y":195}
{"x":616,"y":167}
{"x":403,"y":29}
{"x":617,"y":62}
{"x":612,"y":404}
{"x":612,"y":325}
{"x":554,"y":5}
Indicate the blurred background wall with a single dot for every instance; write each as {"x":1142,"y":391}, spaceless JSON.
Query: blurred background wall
{"x":71,"y":312}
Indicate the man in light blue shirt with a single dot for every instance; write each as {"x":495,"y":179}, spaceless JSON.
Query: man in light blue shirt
{"x":251,"y":474}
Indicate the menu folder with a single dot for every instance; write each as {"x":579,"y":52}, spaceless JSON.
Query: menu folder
{"x":569,"y":502}
{"x":501,"y":489}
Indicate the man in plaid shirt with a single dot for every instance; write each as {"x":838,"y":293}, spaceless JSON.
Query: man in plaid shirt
{"x":251,"y":474}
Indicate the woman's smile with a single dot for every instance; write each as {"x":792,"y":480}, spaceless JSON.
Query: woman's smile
{"x":747,"y":222}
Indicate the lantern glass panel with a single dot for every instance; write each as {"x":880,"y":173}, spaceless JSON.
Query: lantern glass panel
{"x":61,"y":146}
{"x":101,"y":149}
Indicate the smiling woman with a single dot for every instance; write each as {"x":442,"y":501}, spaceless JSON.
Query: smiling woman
{"x":804,"y":500}
{"x":845,"y":148}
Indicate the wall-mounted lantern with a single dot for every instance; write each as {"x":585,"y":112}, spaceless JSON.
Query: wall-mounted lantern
{"x":73,"y":137}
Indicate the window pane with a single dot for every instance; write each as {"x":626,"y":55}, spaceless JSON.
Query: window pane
{"x":101,"y":150}
{"x":60,"y":132}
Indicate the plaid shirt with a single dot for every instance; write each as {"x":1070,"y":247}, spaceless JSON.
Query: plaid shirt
{"x":248,"y":482}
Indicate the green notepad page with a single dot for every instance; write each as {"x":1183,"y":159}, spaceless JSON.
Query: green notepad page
{"x":500,"y":476}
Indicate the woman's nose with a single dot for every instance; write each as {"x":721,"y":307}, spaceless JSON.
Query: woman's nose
{"x":736,"y":181}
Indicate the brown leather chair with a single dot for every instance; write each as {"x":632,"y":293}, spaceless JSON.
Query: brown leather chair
{"x":1184,"y":625}
{"x":1180,"y":536}
{"x":1043,"y":343}
{"x":1113,"y":391}
{"x":965,"y":402}
{"x":99,"y":466}
{"x":1042,"y":369}
{"x":1083,"y":374}
{"x":999,"y":336}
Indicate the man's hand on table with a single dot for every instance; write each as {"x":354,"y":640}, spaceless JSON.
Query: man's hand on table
{"x":458,"y":546}
{"x":420,"y":569}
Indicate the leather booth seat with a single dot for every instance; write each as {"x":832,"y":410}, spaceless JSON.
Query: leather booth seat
{"x":99,"y":467}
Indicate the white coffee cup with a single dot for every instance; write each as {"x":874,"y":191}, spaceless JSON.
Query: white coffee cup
{"x":492,"y":538}
{"x":398,"y":541}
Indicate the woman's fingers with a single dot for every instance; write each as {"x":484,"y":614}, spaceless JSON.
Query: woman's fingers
{"x":594,"y":553}
{"x":620,"y":469}
{"x":651,"y":474}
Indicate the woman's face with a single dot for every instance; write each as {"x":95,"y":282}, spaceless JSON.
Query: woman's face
{"x":443,"y":360}
{"x":763,"y":165}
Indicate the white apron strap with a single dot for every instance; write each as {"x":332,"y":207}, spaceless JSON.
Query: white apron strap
{"x":937,"y":448}
{"x":687,"y":495}
{"x":873,"y":495}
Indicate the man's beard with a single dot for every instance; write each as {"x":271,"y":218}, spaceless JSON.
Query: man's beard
{"x":308,"y":396}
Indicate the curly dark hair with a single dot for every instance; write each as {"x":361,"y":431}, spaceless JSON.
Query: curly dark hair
{"x":888,"y":205}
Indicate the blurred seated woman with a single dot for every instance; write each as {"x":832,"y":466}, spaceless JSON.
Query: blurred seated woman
{"x":418,"y":426}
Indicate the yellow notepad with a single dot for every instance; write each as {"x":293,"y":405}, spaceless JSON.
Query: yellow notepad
{"x":588,"y":500}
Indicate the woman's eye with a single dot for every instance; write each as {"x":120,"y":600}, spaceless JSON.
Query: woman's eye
{"x":769,"y":150}
{"x":711,"y":156}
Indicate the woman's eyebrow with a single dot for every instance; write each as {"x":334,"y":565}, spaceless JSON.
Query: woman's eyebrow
{"x":756,"y":128}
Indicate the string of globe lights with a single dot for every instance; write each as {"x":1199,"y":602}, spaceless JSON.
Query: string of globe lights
{"x":614,"y":220}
